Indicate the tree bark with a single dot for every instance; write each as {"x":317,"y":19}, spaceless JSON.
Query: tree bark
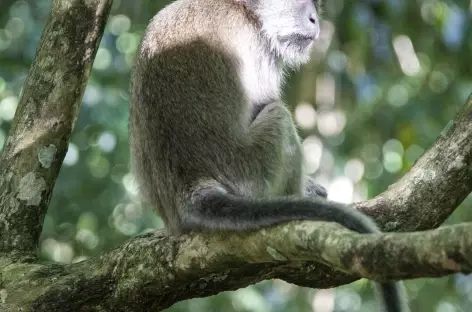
{"x":440,"y":180}
{"x":46,"y":114}
{"x":153,"y":271}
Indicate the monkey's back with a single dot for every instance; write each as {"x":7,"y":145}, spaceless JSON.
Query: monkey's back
{"x":187,"y":112}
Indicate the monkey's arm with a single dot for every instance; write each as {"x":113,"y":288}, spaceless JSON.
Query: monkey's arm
{"x":292,"y":149}
{"x":270,"y":126}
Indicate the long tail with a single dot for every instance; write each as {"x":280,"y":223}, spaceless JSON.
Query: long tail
{"x":214,"y":210}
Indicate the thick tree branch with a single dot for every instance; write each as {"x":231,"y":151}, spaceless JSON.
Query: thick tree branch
{"x":152,"y":272}
{"x":48,"y":108}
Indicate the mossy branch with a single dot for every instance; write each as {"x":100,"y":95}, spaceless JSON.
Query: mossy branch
{"x":154,"y":271}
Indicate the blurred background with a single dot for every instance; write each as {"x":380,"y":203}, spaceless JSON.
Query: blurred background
{"x":385,"y":79}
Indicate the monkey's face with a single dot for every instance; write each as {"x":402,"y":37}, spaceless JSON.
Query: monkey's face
{"x":291,"y":26}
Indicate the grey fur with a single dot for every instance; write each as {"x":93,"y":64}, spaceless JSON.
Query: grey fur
{"x":212,"y":145}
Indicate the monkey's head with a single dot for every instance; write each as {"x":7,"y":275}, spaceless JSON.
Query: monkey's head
{"x":290,"y":26}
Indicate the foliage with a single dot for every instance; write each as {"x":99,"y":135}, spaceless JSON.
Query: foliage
{"x":367,"y":105}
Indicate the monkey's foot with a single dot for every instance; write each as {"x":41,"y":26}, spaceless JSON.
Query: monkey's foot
{"x":313,"y":189}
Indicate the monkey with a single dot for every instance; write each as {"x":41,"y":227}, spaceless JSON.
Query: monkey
{"x":213,"y":146}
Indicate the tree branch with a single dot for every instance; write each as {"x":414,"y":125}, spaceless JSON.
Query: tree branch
{"x":440,"y":180}
{"x":154,"y":271}
{"x":43,"y":123}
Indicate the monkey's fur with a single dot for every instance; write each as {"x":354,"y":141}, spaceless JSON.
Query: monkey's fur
{"x":212,"y":145}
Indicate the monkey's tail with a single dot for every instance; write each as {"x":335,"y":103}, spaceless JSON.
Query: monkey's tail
{"x":215,"y":210}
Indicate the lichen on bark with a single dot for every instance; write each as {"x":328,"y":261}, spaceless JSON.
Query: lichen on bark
{"x":46,"y":113}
